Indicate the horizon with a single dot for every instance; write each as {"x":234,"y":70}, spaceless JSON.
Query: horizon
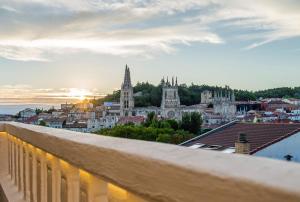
{"x":64,"y":50}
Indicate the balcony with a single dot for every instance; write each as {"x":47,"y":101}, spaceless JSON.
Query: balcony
{"x":39,"y":164}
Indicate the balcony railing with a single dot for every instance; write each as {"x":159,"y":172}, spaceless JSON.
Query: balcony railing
{"x":39,"y":164}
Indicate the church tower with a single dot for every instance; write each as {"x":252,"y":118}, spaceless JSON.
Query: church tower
{"x":170,"y":102}
{"x":126,"y":98}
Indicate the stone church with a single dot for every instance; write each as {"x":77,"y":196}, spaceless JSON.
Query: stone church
{"x":170,"y":102}
{"x":224,"y":104}
{"x":126,"y":97}
{"x":171,"y":108}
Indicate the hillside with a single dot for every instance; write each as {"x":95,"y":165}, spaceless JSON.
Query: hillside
{"x":150,"y":95}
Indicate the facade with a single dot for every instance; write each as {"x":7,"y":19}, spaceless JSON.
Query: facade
{"x":224,"y":104}
{"x":27,"y":113}
{"x":206,"y":97}
{"x":170,"y":102}
{"x":55,"y":122}
{"x":276,"y":104}
{"x":126,"y":99}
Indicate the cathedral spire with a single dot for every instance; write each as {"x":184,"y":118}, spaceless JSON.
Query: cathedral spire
{"x":172,"y":80}
{"x":127,"y":79}
{"x":176,"y":82}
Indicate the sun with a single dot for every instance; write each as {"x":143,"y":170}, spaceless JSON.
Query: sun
{"x":80,"y":94}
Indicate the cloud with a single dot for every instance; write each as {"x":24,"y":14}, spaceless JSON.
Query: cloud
{"x":26,"y":92}
{"x":43,"y":28}
{"x":8,"y":8}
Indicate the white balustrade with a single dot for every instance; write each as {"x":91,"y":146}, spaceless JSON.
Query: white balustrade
{"x":39,"y":164}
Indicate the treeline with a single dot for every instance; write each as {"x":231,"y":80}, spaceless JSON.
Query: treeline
{"x":167,"y":131}
{"x":147,"y":94}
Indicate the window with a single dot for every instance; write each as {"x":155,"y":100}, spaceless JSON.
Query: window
{"x":196,"y":146}
{"x":229,"y":150}
{"x":212,"y":147}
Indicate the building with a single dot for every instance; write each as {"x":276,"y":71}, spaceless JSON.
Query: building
{"x":27,"y":113}
{"x":136,"y":120}
{"x":279,"y":141}
{"x":275,"y":104}
{"x":170,"y":102}
{"x":126,"y":98}
{"x":224,"y":104}
{"x":67,"y":106}
{"x":56,"y":122}
{"x":206,"y":97}
{"x":111,"y":109}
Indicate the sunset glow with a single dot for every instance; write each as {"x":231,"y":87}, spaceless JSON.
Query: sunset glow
{"x":81,"y":94}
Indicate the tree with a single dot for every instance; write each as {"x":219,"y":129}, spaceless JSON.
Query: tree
{"x":196,"y":122}
{"x":191,"y":122}
{"x":186,"y":122}
{"x":38,"y":111}
{"x":42,"y":123}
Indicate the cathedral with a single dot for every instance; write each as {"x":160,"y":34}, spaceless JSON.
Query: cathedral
{"x":126,"y":97}
{"x":170,"y":102}
{"x":224,"y":104}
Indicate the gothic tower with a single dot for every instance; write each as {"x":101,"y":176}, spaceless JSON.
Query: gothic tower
{"x":170,"y":102}
{"x":126,"y":98}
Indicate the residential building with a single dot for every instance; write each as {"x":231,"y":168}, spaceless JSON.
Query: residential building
{"x":136,"y":120}
{"x":27,"y":113}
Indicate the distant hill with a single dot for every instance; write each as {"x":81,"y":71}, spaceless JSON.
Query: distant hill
{"x":150,"y":95}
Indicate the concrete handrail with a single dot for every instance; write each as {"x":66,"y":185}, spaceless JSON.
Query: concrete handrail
{"x":167,"y":173}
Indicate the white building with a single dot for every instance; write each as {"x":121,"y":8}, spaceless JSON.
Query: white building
{"x":27,"y":113}
{"x":206,"y":97}
{"x":224,"y":104}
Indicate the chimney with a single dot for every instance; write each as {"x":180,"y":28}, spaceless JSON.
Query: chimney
{"x":242,"y":146}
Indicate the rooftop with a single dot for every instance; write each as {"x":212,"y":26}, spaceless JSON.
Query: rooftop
{"x":258,"y":134}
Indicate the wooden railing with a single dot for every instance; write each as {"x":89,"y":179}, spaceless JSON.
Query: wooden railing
{"x":39,"y":164}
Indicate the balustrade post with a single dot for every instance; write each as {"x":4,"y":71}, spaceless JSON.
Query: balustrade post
{"x":14,"y":176}
{"x":73,"y":184}
{"x":97,"y":190}
{"x":9,"y":154}
{"x":26,"y":173}
{"x":19,"y":166}
{"x":56,"y":179}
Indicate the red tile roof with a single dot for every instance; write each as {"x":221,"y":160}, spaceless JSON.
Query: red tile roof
{"x":259,"y":135}
{"x":131,"y":119}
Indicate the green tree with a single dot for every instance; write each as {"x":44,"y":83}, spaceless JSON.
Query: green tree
{"x":42,"y":123}
{"x":191,"y":122}
{"x":196,"y":122}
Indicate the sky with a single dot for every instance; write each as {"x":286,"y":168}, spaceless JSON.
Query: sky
{"x":63,"y":48}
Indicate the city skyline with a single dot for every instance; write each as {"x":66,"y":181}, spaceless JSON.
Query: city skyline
{"x":54,"y":49}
